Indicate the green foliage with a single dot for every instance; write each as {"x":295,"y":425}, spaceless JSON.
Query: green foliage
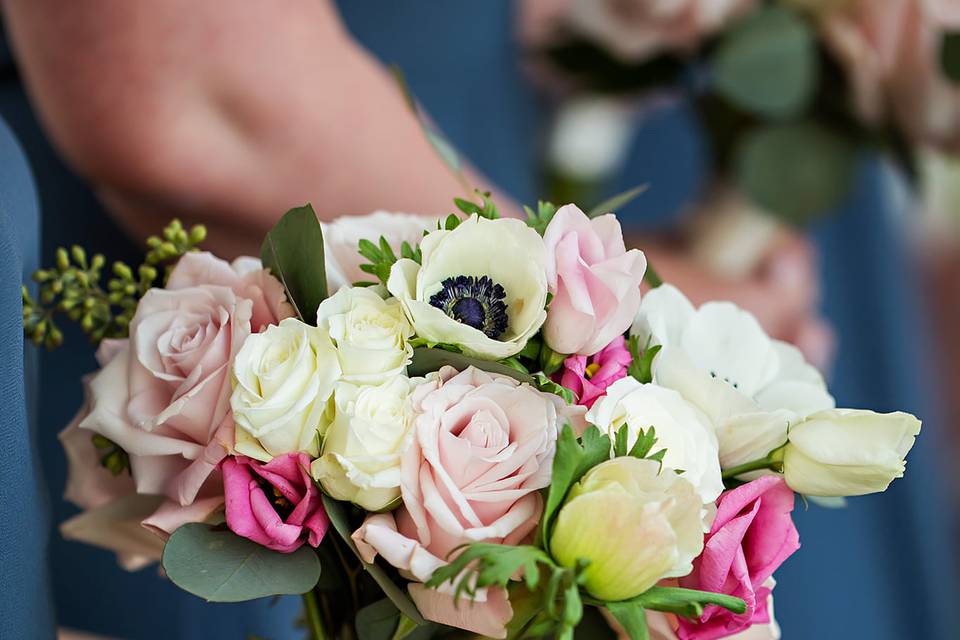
{"x":571,"y":461}
{"x":73,"y":287}
{"x":767,"y":63}
{"x":631,"y":617}
{"x":293,"y":252}
{"x":381,"y":257}
{"x":550,"y":360}
{"x":427,"y":360}
{"x":641,"y":448}
{"x":488,"y":210}
{"x":547,"y":385}
{"x":797,"y":171}
{"x":685,"y":602}
{"x":482,"y":565}
{"x":112,"y":457}
{"x":616,"y":202}
{"x":950,"y":56}
{"x":540,"y":218}
{"x":641,"y":368}
{"x":651,"y":277}
{"x":220,"y":566}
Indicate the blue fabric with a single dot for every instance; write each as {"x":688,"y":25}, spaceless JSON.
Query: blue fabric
{"x":25,"y":608}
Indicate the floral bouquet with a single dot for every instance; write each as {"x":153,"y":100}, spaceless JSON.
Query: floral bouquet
{"x":471,"y":427}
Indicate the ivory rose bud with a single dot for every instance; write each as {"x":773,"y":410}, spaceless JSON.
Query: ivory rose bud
{"x":282,"y":516}
{"x":360,"y":459}
{"x":283,"y":379}
{"x":848,"y":452}
{"x":750,"y":538}
{"x":164,"y":395}
{"x":341,"y":239}
{"x":370,"y":334}
{"x":681,"y":429}
{"x":481,"y":286}
{"x":482,"y":447}
{"x":635,"y":524}
{"x":594,"y":279}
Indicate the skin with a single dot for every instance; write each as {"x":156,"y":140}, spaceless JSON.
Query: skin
{"x":218,"y":119}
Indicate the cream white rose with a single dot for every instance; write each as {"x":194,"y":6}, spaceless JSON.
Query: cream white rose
{"x":360,"y":459}
{"x":482,"y":286}
{"x":848,"y":452}
{"x":719,"y":358}
{"x":681,"y":429}
{"x":283,"y":378}
{"x":370,"y":334}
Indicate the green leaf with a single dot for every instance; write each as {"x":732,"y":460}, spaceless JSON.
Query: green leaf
{"x":293,"y":251}
{"x":343,"y":529}
{"x":616,"y":202}
{"x":631,"y":617}
{"x":572,"y":459}
{"x":220,"y":566}
{"x":549,"y":386}
{"x":642,"y":366}
{"x":483,"y":564}
{"x":797,"y":171}
{"x":950,"y":56}
{"x":427,"y":360}
{"x":378,"y":621}
{"x":686,"y":602}
{"x":540,"y":218}
{"x":767,"y":64}
{"x":651,"y":277}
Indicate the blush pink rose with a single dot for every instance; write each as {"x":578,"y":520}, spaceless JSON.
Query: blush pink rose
{"x":482,"y":449}
{"x":595,"y":282}
{"x":590,"y":377}
{"x":750,"y":538}
{"x":245,"y":276}
{"x":275,"y":504}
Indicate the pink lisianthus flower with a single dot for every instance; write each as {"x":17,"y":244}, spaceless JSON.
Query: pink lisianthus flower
{"x":274,"y":504}
{"x":589,"y":377}
{"x":751,"y":536}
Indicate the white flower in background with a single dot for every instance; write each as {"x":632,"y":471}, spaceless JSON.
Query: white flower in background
{"x":848,"y":452}
{"x":719,"y":358}
{"x":681,"y":429}
{"x":341,"y":238}
{"x":591,"y":137}
{"x":283,"y":378}
{"x":481,"y":286}
{"x":370,"y":334}
{"x":360,"y":459}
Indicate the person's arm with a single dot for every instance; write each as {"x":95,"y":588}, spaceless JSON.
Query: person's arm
{"x":226,"y":115}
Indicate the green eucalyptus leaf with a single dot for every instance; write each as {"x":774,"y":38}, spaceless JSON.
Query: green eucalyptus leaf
{"x":616,"y":202}
{"x":427,"y":360}
{"x":378,"y":621}
{"x":631,"y":617}
{"x":293,"y":251}
{"x":797,"y":171}
{"x":767,"y":64}
{"x":220,"y":566}
{"x":950,"y":56}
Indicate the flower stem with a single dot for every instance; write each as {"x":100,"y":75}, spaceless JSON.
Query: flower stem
{"x":314,"y":622}
{"x":755,"y":465}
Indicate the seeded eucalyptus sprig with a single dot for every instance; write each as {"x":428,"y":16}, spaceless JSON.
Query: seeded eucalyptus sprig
{"x":73,"y":287}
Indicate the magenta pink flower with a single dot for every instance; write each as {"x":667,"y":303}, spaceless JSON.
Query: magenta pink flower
{"x":274,"y":504}
{"x":590,"y":377}
{"x":751,"y":536}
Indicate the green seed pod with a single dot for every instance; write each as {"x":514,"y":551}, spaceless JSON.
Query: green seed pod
{"x":122,"y":271}
{"x":63,"y":260}
{"x":79,"y":255}
{"x":198,"y":233}
{"x":168,"y":250}
{"x":97,"y":262}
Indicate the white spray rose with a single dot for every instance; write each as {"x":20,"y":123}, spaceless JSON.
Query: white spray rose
{"x":360,"y":460}
{"x":370,"y":334}
{"x":681,"y":429}
{"x":719,"y":358}
{"x":283,"y":378}
{"x":848,"y":452}
{"x":481,"y":286}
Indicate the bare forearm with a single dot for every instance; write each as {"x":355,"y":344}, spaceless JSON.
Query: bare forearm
{"x":181,"y":107}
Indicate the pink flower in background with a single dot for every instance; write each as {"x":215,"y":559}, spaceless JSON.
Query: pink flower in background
{"x":275,"y":504}
{"x":594,"y":279}
{"x":751,"y":536}
{"x":482,"y":449}
{"x":590,"y":377}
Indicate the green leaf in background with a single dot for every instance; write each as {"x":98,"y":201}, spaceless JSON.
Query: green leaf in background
{"x":572,"y":459}
{"x":631,"y":617}
{"x":641,"y":368}
{"x":293,"y":251}
{"x":950,"y":56}
{"x":616,"y":202}
{"x":797,"y":171}
{"x":220,"y":566}
{"x":427,"y":360}
{"x":378,"y":621}
{"x":767,"y":64}
{"x":343,"y":529}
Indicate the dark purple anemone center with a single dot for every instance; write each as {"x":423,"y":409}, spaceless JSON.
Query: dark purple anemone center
{"x":475,"y":301}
